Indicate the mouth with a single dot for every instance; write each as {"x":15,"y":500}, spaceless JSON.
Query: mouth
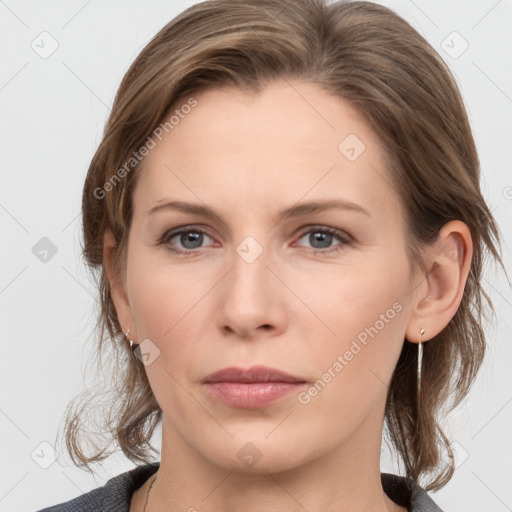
{"x":251,"y":388}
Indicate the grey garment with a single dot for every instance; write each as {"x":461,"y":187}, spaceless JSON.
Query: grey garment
{"x":116,"y":494}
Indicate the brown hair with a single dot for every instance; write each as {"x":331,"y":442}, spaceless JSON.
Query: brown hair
{"x":366,"y":55}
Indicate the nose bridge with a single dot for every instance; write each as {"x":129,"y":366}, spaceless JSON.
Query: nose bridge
{"x":249,"y":299}
{"x":250,"y":249}
{"x":250,"y":266}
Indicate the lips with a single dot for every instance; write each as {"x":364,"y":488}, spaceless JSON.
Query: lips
{"x":251,"y":388}
{"x":251,"y":375}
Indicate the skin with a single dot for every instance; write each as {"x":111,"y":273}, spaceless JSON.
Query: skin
{"x":297,"y":307}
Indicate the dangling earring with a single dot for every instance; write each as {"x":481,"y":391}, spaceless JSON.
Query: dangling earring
{"x":126,"y":335}
{"x":420,"y":358}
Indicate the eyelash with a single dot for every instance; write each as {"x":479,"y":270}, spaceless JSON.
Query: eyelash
{"x":342,"y":236}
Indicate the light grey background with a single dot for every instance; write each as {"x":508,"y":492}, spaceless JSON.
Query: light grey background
{"x":53,"y":111}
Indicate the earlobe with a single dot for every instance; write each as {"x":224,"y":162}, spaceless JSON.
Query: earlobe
{"x":449,"y":264}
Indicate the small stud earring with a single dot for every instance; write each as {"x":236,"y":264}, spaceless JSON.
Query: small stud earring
{"x":126,"y":335}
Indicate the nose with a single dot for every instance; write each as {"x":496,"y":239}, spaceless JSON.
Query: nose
{"x":252,"y":299}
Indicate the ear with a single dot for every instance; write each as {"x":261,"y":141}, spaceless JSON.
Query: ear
{"x":449,"y":262}
{"x":117,"y":286}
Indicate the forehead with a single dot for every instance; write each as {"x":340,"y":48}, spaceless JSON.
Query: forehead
{"x":290,"y":140}
{"x":280,"y":116}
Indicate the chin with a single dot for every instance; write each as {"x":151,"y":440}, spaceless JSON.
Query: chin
{"x":259,"y":455}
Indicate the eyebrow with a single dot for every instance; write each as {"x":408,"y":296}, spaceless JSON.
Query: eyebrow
{"x":296,"y":210}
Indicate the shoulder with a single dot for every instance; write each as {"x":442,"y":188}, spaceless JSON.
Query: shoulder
{"x":114,"y":496}
{"x":408,"y":494}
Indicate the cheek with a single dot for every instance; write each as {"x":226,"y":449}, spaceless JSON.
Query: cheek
{"x":365,"y":311}
{"x":351,"y":298}
{"x":169,"y":307}
{"x":160,"y":294}
{"x":354,"y":368}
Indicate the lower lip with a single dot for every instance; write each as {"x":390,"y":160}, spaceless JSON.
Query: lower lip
{"x":252,"y":395}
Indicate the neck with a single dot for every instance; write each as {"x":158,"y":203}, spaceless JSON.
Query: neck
{"x":345,"y":479}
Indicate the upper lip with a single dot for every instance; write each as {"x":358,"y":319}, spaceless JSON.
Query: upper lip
{"x":252,"y":374}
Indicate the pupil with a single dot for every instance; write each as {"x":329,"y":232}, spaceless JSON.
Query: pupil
{"x":192,"y":237}
{"x":323,"y":238}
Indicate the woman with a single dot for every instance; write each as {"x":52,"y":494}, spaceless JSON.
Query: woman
{"x":286,"y":221}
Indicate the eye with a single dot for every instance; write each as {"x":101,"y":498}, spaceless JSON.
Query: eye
{"x":185,"y":239}
{"x":322,"y":237}
{"x":188,"y":240}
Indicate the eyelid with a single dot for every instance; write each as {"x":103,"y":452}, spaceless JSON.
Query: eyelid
{"x":344,"y":237}
{"x":171,"y":233}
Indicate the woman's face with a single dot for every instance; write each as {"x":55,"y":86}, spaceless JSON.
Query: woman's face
{"x":322,"y":294}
